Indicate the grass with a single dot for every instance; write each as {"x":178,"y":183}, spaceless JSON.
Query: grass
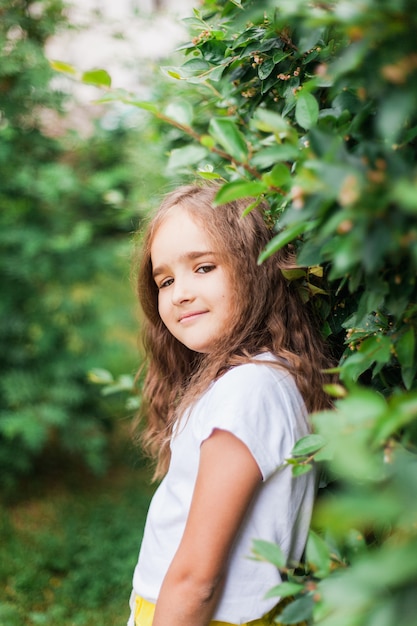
{"x":69,"y":544}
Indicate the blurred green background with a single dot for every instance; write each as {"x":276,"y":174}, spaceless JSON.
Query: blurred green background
{"x":74,"y":489}
{"x":327,"y":88}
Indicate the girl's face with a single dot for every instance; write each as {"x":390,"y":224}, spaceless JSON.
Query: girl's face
{"x":195,"y":299}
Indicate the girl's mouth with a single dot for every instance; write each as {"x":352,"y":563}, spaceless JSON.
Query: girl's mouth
{"x":190,"y":316}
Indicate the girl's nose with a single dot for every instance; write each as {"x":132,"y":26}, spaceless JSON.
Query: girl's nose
{"x":181,"y":292}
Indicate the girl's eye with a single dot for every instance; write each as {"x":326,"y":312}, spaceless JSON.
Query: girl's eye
{"x":165,"y":283}
{"x":205,"y":269}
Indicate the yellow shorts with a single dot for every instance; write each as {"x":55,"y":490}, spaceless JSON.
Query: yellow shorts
{"x":144,"y":611}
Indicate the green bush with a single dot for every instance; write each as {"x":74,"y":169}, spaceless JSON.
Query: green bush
{"x":314,"y":106}
{"x":67,"y":206}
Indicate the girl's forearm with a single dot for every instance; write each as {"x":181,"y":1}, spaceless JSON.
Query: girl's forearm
{"x":185,"y":604}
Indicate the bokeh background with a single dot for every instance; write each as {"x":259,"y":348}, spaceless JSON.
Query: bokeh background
{"x":103,"y":108}
{"x":76,"y":180}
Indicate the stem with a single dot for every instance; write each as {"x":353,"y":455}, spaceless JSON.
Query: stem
{"x":188,"y":130}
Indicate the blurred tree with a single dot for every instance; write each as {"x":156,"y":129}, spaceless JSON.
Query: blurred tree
{"x":66,"y":205}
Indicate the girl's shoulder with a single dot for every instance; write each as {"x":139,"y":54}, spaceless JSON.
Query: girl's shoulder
{"x":264,"y":378}
{"x":258,"y":402}
{"x":262,"y":369}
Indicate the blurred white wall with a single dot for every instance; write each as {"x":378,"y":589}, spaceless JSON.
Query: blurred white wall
{"x":124,"y":37}
{"x":121,"y":35}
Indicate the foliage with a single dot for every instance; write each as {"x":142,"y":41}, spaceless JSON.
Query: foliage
{"x":67,"y":557}
{"x":313,"y":106}
{"x":67,"y":204}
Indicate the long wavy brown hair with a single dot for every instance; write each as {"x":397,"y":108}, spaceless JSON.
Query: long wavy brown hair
{"x":269,"y":316}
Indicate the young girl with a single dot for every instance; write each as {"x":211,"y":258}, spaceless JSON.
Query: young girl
{"x":235,"y":365}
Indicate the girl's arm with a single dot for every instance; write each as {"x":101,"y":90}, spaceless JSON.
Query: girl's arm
{"x":227,"y":479}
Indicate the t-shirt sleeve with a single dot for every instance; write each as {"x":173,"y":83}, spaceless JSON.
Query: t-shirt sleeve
{"x":261,"y":405}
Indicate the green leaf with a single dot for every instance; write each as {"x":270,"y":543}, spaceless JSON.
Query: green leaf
{"x":266,"y":157}
{"x":194,"y":67}
{"x":266,"y":68}
{"x":146,"y":106}
{"x":207,"y":141}
{"x":181,"y":112}
{"x":271,"y":122}
{"x":405,"y":347}
{"x":308,"y":445}
{"x":302,"y":468}
{"x":195,"y":70}
{"x":402,"y":410}
{"x":349,"y":431}
{"x":318,"y":554}
{"x":309,"y":39}
{"x":335,"y":390}
{"x":279,"y":176}
{"x":65,"y":68}
{"x":298,"y":611}
{"x":408,"y":375}
{"x":196,"y":22}
{"x":375,"y":349}
{"x":123,"y":383}
{"x":99,"y":78}
{"x":239,"y":189}
{"x":172,"y":73}
{"x":186,"y":156}
{"x":392,"y":113}
{"x":270,"y":552}
{"x":209,"y":174}
{"x":283,"y":238}
{"x":404,"y":192}
{"x":215,"y":73}
{"x":350,"y":59}
{"x":252,"y":206}
{"x":122,"y":96}
{"x":284,"y":590}
{"x":227,"y":134}
{"x":294,"y":274}
{"x":325,"y":454}
{"x":280,"y":56}
{"x":306,"y":110}
{"x":100,"y":376}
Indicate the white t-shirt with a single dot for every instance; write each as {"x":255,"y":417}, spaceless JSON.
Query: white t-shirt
{"x":261,"y":405}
